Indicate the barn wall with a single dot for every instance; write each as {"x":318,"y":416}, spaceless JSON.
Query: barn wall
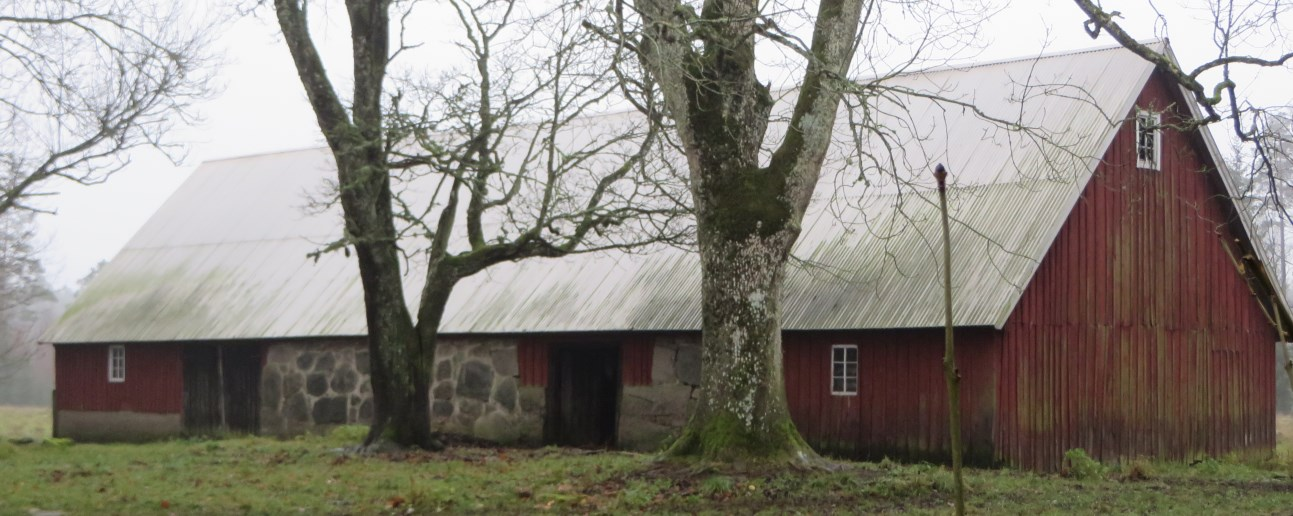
{"x":314,"y":385}
{"x":900,"y":410}
{"x":659,"y":371}
{"x":154,"y":379}
{"x":488,"y":387}
{"x":1137,"y":336}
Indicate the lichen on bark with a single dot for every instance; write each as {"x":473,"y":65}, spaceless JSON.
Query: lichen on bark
{"x":748,"y":214}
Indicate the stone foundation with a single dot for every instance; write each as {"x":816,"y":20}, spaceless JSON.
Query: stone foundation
{"x":312,"y":386}
{"x":477,"y":391}
{"x":652,"y":415}
{"x":90,"y":426}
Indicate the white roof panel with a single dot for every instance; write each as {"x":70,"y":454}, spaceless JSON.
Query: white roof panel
{"x":225,"y":256}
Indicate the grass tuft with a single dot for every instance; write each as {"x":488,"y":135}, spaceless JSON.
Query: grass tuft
{"x":1080,"y":466}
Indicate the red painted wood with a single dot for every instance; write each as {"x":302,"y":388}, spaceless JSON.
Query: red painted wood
{"x":1137,"y":336}
{"x":532,"y":362}
{"x":636,"y":357}
{"x":900,"y":410}
{"x":154,"y":379}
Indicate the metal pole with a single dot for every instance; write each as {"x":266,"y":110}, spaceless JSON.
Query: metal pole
{"x":949,"y":350}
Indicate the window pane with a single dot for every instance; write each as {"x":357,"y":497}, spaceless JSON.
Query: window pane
{"x":851,"y":354}
{"x":837,"y":385}
{"x":851,"y":384}
{"x":837,"y":369}
{"x":851,"y":370}
{"x":837,"y":354}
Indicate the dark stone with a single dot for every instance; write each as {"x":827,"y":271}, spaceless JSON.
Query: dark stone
{"x":441,"y":408}
{"x":505,"y":394}
{"x":687,"y":365}
{"x":297,"y":408}
{"x":292,"y":382}
{"x":325,"y":363}
{"x":271,"y":389}
{"x":504,"y":359}
{"x":442,"y":391}
{"x":361,"y":362}
{"x":444,"y":370}
{"x":475,"y":380}
{"x":532,"y":399}
{"x":366,"y":411}
{"x":305,"y":360}
{"x":344,"y":381}
{"x":270,"y":420}
{"x":472,"y":409}
{"x":330,"y":411}
{"x":317,"y":384}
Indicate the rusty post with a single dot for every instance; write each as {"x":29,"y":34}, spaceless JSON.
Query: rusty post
{"x":949,"y":351}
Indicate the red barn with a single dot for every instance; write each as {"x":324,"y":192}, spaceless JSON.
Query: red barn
{"x":1108,"y":297}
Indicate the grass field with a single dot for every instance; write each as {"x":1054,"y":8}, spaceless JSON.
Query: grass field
{"x":312,"y":475}
{"x":19,"y":422}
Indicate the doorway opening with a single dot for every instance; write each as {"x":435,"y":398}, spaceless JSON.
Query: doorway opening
{"x":583,"y":395}
{"x":221,"y":388}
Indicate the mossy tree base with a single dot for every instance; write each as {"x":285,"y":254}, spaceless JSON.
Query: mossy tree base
{"x":724,"y":439}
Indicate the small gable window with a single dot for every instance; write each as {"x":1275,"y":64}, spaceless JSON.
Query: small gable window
{"x":1148,"y":140}
{"x":844,"y":370}
{"x":116,"y":364}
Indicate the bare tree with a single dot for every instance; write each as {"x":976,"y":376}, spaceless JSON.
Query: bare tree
{"x":751,"y":187}
{"x":21,"y":285}
{"x":1236,"y":25}
{"x":84,"y":81}
{"x":513,"y":170}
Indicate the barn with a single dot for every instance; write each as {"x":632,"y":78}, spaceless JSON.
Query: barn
{"x":1108,"y":297}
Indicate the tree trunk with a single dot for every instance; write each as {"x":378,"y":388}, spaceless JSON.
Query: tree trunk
{"x":399,"y":374}
{"x":742,"y":413}
{"x":747,"y":215}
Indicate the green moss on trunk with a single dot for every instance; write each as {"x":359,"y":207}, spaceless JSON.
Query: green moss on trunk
{"x":741,"y":414}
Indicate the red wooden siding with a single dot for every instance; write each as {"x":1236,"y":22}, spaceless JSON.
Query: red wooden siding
{"x":532,"y":362}
{"x":1137,"y":336}
{"x":154,"y":379}
{"x":636,"y":354}
{"x":900,"y":410}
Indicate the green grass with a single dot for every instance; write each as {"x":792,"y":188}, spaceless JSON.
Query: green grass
{"x":312,"y":476}
{"x":20,"y":422}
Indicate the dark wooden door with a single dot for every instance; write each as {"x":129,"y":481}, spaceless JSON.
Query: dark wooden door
{"x":201,"y":389}
{"x":583,"y":396}
{"x":241,"y":369}
{"x":221,"y":388}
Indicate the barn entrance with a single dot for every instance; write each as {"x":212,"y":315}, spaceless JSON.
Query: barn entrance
{"x":583,"y":395}
{"x":222,"y":388}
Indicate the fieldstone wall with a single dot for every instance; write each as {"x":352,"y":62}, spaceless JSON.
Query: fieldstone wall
{"x":313,"y":386}
{"x":476,"y":391}
{"x":652,"y":415}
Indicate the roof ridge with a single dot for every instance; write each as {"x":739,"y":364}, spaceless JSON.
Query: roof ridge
{"x":265,"y":153}
{"x":1037,"y":57}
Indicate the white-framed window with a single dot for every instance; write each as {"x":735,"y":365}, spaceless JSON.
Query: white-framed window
{"x":1149,"y":148}
{"x":116,"y":364}
{"x":844,"y":370}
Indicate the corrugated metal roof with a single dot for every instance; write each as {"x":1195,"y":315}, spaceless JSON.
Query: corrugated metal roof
{"x":225,"y":256}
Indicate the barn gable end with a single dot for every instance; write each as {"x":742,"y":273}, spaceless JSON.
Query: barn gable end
{"x":1137,"y":335}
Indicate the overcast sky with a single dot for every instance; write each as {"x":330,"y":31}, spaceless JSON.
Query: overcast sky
{"x":261,"y":108}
